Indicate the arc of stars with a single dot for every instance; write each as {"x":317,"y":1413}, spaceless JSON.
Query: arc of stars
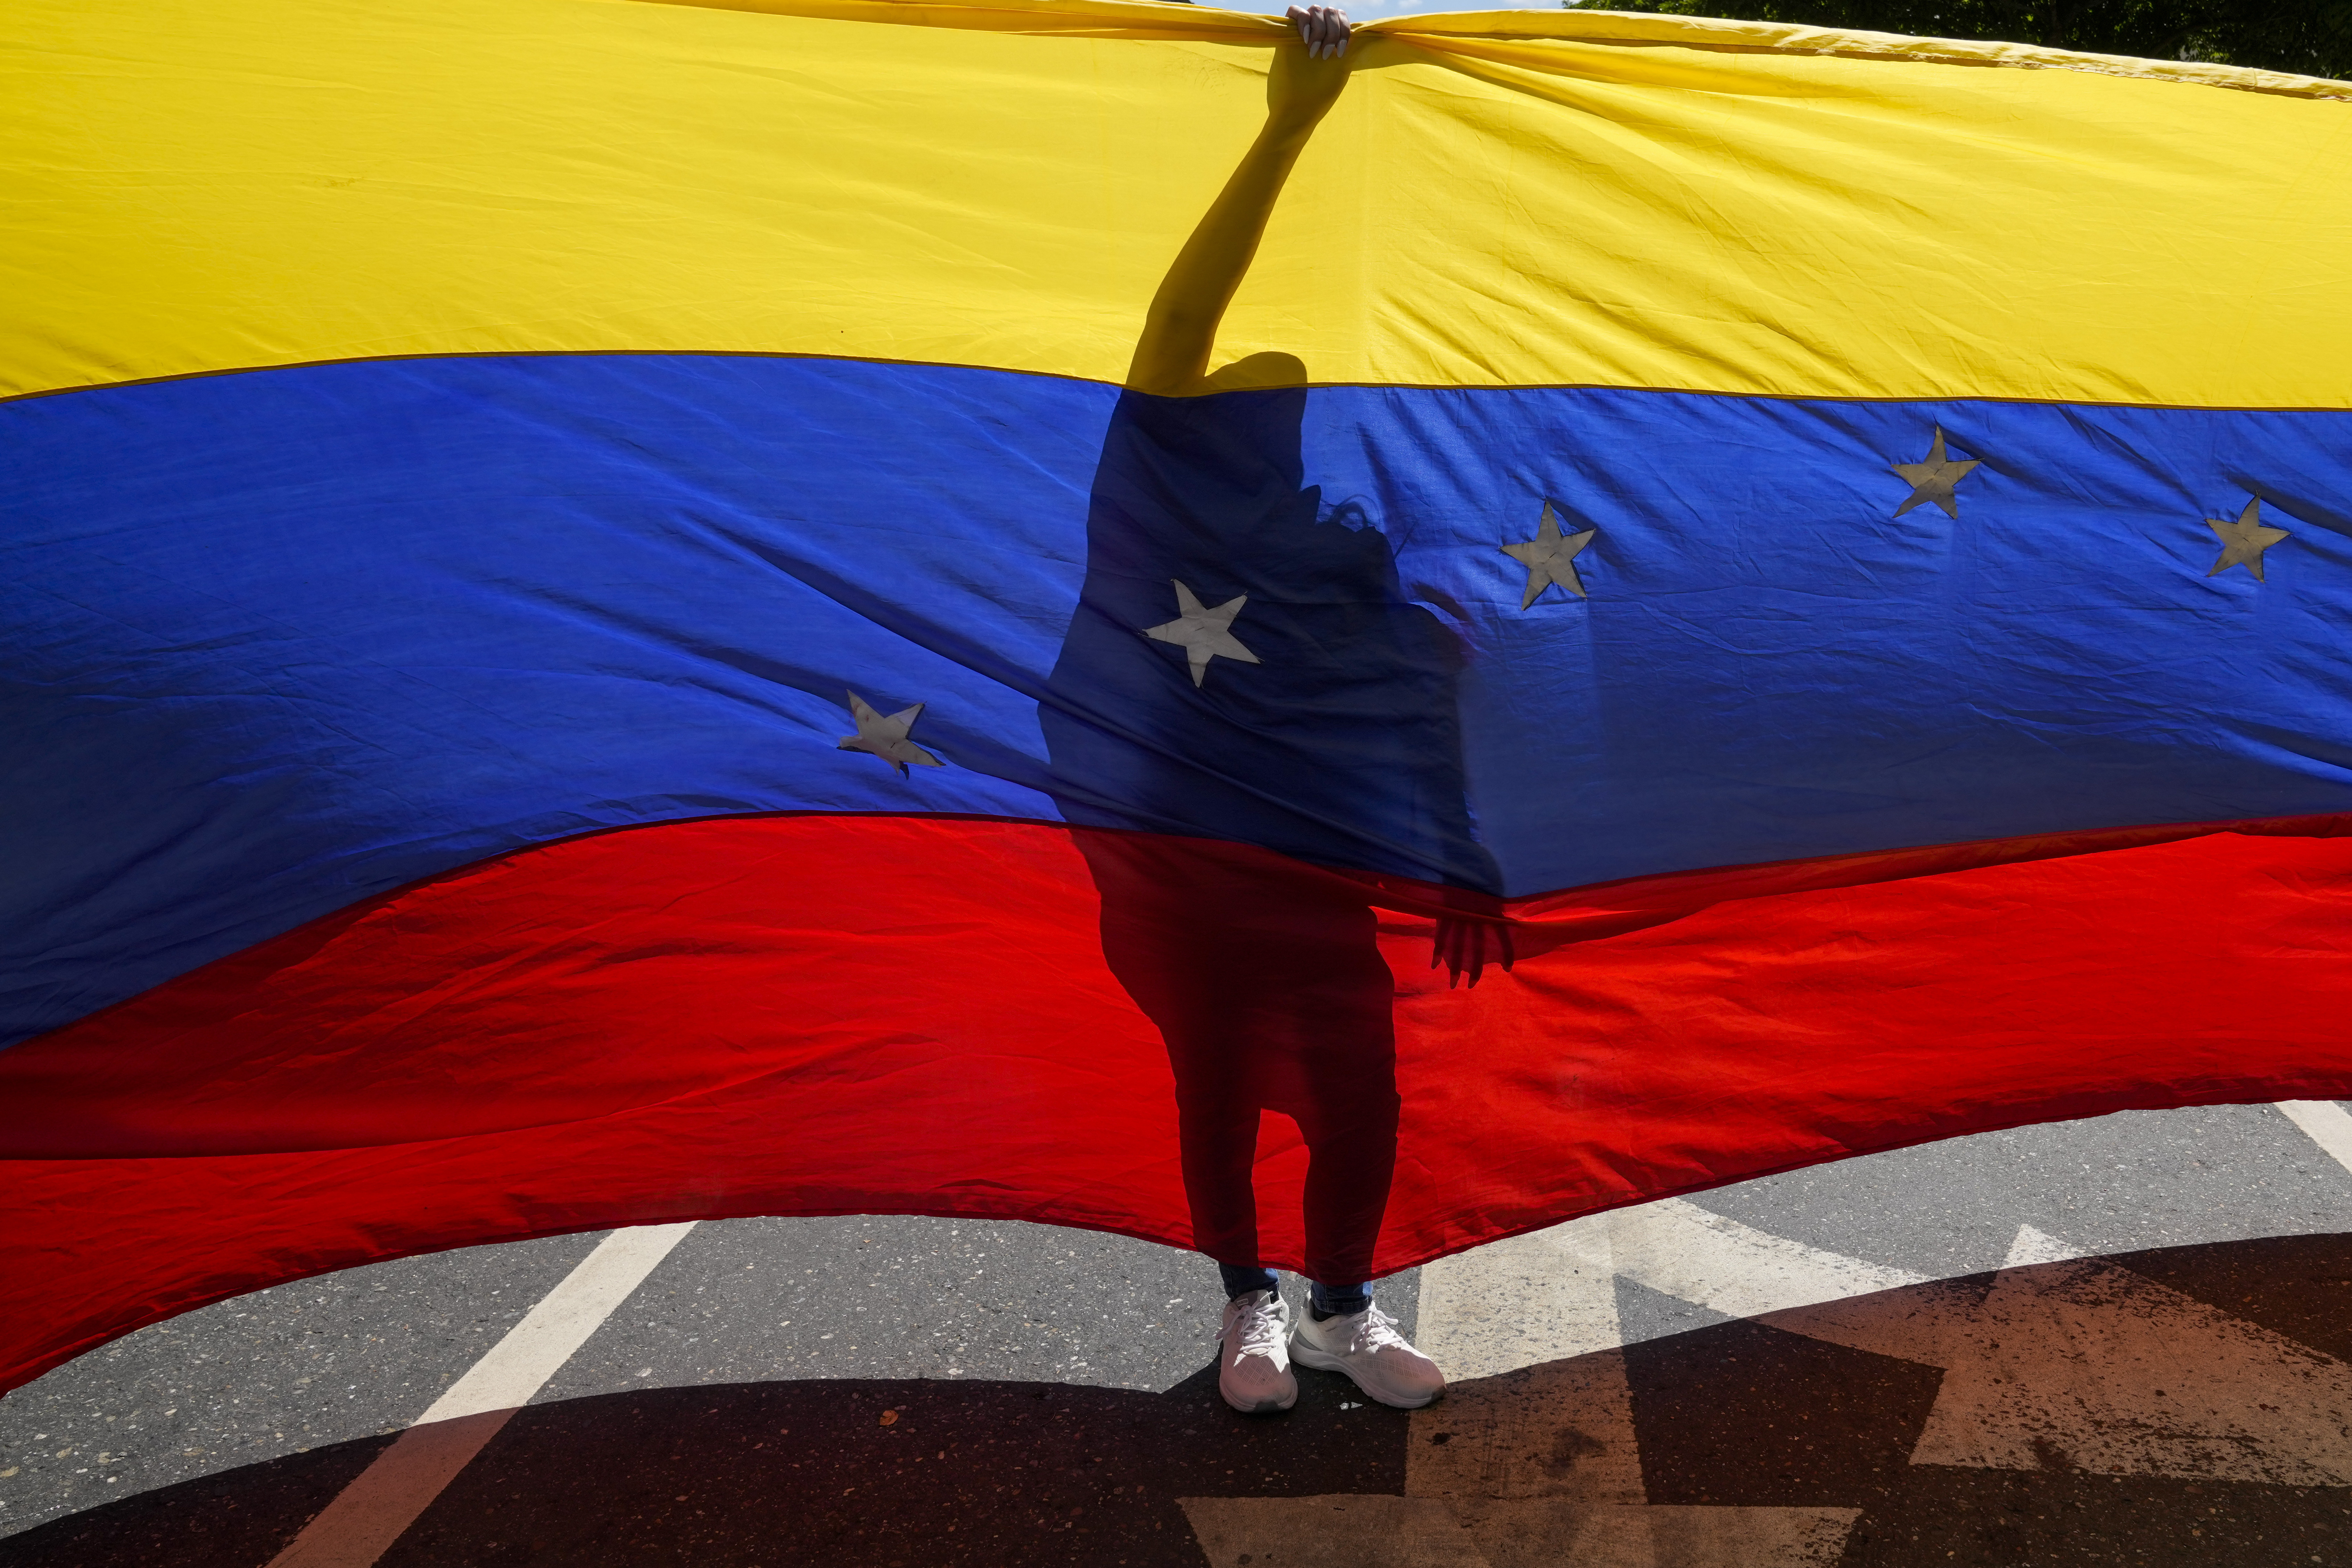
{"x":884,"y":735}
{"x":2243,"y":541}
{"x":1204,"y":631}
{"x":1550,"y":558}
{"x":1932,"y":478}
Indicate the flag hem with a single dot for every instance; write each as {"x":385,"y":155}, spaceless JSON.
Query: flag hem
{"x":1451,"y":31}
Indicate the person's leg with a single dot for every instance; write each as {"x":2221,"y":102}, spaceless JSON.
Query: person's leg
{"x":1218,"y":1138}
{"x":1217,"y":1120}
{"x":1216,"y":1129}
{"x":1169,"y":933}
{"x":1349,"y":1112}
{"x":1241,"y":1279}
{"x":1352,"y":1137}
{"x":1337,"y":1301}
{"x":1339,"y":1083}
{"x":1342,"y":1329}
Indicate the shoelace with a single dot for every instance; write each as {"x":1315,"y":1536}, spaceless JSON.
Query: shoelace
{"x":1376,"y":1331}
{"x":1261,"y":1329}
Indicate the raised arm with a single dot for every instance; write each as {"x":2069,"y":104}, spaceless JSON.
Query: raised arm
{"x":1179,"y":332}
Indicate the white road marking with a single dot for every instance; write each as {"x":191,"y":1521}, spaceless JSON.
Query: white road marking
{"x":1533,"y":1455}
{"x":1344,"y":1532}
{"x":2033,"y":1247}
{"x":369,"y":1515}
{"x":1330,"y":1532}
{"x":2076,"y":1361}
{"x":1693,"y":1256}
{"x":519,"y":1365}
{"x":1564,"y":1429}
{"x":1672,"y":1535}
{"x":2089,"y":1366}
{"x":1552,"y":1294}
{"x":2325,"y":1122}
{"x":1534,"y":1298}
{"x":1526,"y":1330}
{"x":2068,"y":1360}
{"x":1927,"y":1323}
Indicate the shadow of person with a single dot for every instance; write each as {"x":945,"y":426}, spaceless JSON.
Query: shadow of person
{"x":1272,"y":995}
{"x":978,"y":1471}
{"x":1749,"y":1441}
{"x":1244,"y":670}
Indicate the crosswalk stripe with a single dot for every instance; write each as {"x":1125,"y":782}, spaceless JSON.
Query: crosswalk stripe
{"x":363,"y":1521}
{"x":2325,"y":1123}
{"x":1551,"y":1294}
{"x":1684,"y":1251}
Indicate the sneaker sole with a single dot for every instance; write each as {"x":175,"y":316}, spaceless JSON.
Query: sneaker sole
{"x":1267,"y":1407}
{"x":1306,"y":1354}
{"x":1263,"y":1406}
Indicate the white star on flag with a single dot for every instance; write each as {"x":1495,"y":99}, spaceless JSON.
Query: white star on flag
{"x":2243,"y":541}
{"x":885,"y":736}
{"x":1550,"y":558}
{"x":1204,"y":632}
{"x":1932,"y":477}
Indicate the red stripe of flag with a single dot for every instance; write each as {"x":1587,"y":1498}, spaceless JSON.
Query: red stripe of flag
{"x":814,"y":1014}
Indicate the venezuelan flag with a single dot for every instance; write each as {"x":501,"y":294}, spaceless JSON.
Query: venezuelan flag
{"x":622,"y":612}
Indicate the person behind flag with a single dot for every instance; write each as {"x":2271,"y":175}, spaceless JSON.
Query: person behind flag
{"x":1323,"y":726}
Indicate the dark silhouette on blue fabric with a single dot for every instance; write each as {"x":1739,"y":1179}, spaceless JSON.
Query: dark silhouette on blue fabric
{"x":1339,"y":748}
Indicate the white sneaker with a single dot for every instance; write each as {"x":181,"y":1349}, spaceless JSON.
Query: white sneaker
{"x":1367,"y":1347}
{"x":1254,"y":1354}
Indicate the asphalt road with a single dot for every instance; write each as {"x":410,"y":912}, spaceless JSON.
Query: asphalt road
{"x":1827,"y":1366}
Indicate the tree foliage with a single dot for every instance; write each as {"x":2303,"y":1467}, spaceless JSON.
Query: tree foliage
{"x":2312,"y":36}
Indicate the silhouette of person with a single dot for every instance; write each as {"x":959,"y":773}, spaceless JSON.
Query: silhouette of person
{"x":1237,"y":756}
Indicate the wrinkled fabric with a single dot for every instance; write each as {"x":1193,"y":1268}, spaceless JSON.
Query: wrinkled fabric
{"x":826,"y":1015}
{"x":448,"y":549}
{"x":291,"y":638}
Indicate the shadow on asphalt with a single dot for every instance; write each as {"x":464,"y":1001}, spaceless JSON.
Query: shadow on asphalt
{"x":2188,"y":1407}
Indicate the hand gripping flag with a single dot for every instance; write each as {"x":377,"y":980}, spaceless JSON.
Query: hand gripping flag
{"x":624,"y":612}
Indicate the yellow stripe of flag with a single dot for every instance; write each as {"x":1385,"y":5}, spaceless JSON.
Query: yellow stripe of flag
{"x":1502,"y":199}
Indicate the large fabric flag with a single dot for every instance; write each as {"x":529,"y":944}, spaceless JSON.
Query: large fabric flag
{"x":622,"y":611}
